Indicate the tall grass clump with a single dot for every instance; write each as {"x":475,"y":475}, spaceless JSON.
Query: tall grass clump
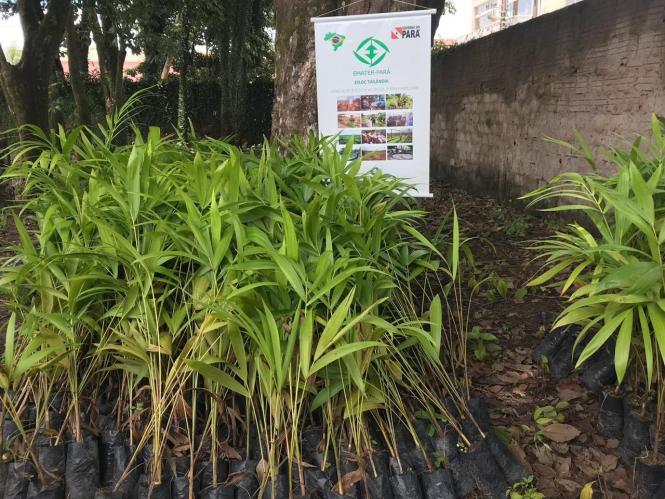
{"x":610,"y":262}
{"x":198,"y":301}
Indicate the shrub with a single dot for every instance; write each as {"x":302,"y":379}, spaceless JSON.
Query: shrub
{"x":612,"y":265}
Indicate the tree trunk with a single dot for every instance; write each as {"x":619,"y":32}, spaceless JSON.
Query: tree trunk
{"x":224,"y":77}
{"x":77,"y":72}
{"x":26,"y":84}
{"x":26,"y":87}
{"x":152,"y":24}
{"x":56,"y":92}
{"x":294,"y":108}
{"x":232,"y":43}
{"x":185,"y":62}
{"x":237,"y":70}
{"x":112,"y":50}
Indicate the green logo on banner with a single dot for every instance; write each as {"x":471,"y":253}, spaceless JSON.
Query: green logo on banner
{"x":371,"y":51}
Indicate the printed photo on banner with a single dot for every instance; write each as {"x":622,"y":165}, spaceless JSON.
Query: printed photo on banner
{"x":375,"y":136}
{"x":400,"y":135}
{"x":373,"y":152}
{"x":355,"y":152}
{"x":373,"y":120}
{"x":399,"y":101}
{"x":401,"y":152}
{"x":400,"y":118}
{"x":348,"y":104}
{"x":347,"y":136}
{"x":348,"y":120}
{"x":373,"y":102}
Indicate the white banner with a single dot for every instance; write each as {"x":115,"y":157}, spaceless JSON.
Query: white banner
{"x":373,"y":88}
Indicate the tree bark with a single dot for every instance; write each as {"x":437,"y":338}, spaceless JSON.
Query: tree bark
{"x":77,"y":72}
{"x":233,"y":37}
{"x":112,"y":50}
{"x":56,"y":90}
{"x":294,"y":108}
{"x":238,"y":67}
{"x":185,"y":63}
{"x":224,"y":43}
{"x":26,"y":84}
{"x":154,"y":47}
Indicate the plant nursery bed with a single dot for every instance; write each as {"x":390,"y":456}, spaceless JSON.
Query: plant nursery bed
{"x":194,"y":320}
{"x":526,"y":422}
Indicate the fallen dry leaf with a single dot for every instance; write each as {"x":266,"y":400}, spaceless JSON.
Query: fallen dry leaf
{"x":568,"y":485}
{"x":609,"y":462}
{"x":511,"y":378}
{"x":350,"y":479}
{"x":613,"y":443}
{"x":229,"y":452}
{"x":586,"y":460}
{"x":520,"y":391}
{"x":560,"y":432}
{"x":543,"y":455}
{"x":561,"y":448}
{"x":546,"y":486}
{"x":619,"y":480}
{"x":543,"y":470}
{"x":570,"y":391}
{"x":598,"y":440}
{"x":262,"y":469}
{"x":587,"y":491}
{"x":562,"y":465}
{"x":589,"y":468}
{"x":525,"y":368}
{"x":519,"y":453}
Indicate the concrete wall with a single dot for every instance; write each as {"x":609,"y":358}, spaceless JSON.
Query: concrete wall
{"x":597,"y":66}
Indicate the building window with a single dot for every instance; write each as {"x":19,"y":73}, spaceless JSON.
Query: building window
{"x":525,"y":8}
{"x":486,"y":15}
{"x":485,"y":21}
{"x":521,"y":8}
{"x":486,"y":6}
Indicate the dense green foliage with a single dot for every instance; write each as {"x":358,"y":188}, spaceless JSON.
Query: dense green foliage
{"x":199,"y":286}
{"x":612,"y":263}
{"x":160,"y":107}
{"x":231,"y":79}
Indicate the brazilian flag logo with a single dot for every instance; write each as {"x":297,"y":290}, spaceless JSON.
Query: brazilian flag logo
{"x":335,"y":39}
{"x":371,"y":51}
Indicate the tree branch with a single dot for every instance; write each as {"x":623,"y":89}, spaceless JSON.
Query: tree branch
{"x":54,"y":22}
{"x":30,"y":13}
{"x":57,"y":9}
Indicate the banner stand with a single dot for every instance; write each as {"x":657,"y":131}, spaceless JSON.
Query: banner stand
{"x":373,"y":89}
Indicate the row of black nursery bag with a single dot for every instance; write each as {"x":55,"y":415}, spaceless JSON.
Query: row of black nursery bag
{"x":442,"y":469}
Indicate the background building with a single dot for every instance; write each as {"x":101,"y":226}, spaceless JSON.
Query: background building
{"x":493,"y":15}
